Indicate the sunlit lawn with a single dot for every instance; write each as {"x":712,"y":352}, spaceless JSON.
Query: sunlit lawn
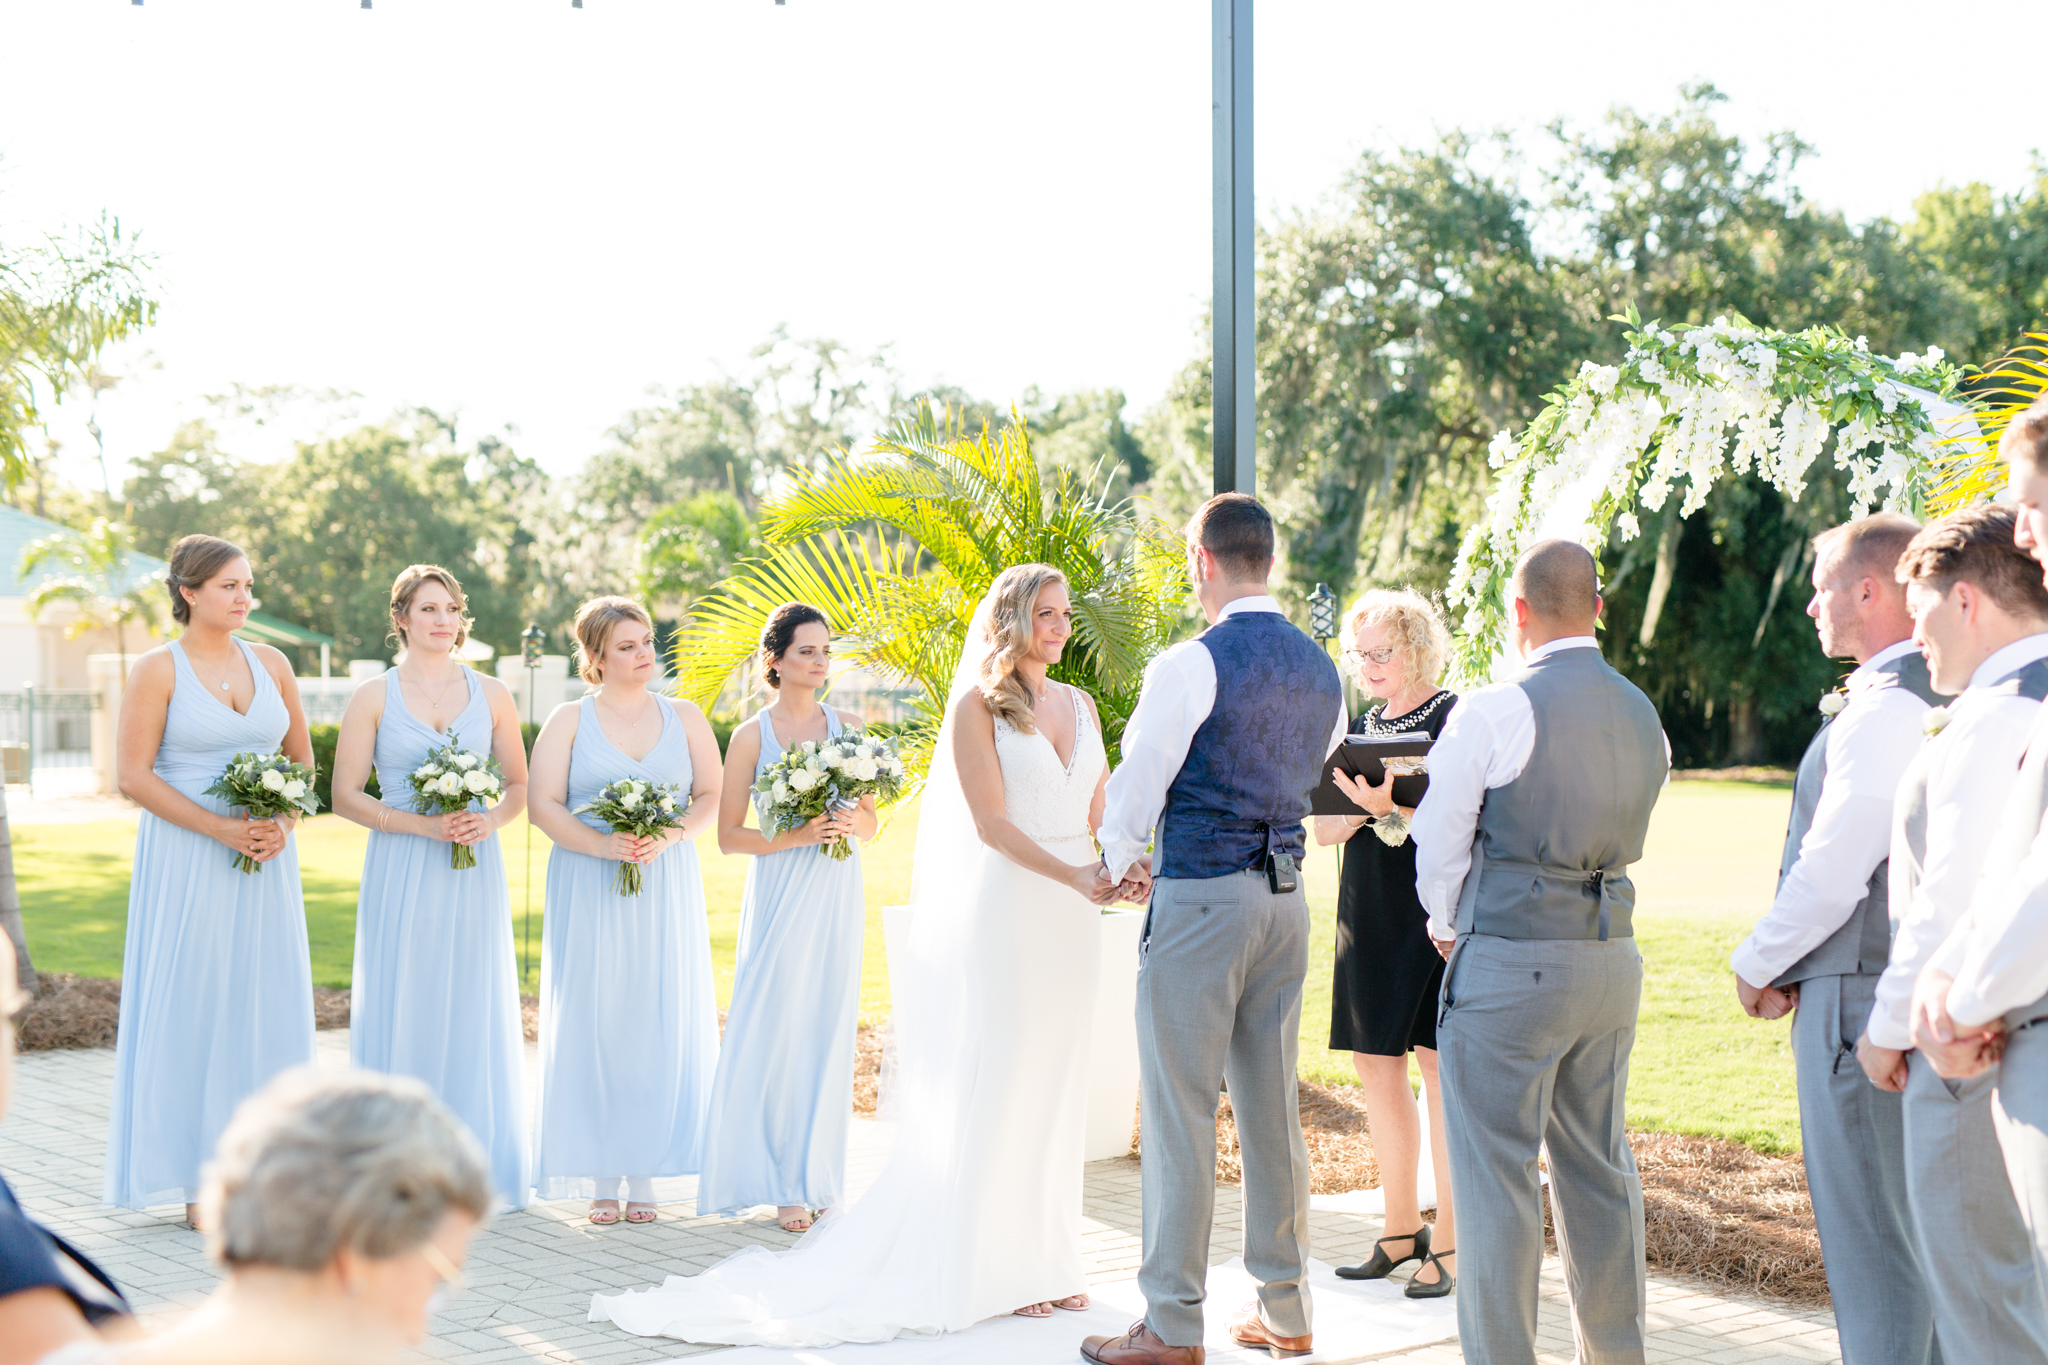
{"x":1700,"y":1065}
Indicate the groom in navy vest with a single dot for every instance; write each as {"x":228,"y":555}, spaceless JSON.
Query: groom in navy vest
{"x":1221,"y":755}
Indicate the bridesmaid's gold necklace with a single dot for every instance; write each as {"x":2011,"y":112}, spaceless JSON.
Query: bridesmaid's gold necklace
{"x":216,"y":677}
{"x":621,"y":715}
{"x":432,"y":700}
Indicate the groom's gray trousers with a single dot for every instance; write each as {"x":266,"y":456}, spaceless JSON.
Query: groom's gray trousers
{"x":1219,"y":1002}
{"x":1533,"y":1043}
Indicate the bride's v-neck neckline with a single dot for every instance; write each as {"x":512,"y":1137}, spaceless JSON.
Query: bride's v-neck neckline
{"x":1073,"y":757}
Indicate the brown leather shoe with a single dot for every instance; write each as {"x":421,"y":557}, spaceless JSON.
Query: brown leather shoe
{"x":1251,"y":1330}
{"x":1139,"y":1346}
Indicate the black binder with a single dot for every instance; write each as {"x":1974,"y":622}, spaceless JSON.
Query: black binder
{"x":1364,"y":756}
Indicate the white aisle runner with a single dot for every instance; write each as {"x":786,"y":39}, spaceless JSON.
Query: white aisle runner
{"x":1353,"y":1320}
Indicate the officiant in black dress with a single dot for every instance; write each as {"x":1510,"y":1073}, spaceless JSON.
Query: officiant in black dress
{"x":1388,"y":974}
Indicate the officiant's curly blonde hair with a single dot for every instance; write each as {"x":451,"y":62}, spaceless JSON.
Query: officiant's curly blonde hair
{"x":1414,"y":627}
{"x":1012,"y":605}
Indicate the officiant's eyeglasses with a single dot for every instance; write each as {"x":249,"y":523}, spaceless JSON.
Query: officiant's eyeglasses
{"x":1378,"y":656}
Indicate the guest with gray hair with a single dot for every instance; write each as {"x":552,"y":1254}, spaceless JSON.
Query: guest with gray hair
{"x":340,"y":1207}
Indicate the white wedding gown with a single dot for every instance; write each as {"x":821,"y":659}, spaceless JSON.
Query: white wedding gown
{"x":978,"y":1211}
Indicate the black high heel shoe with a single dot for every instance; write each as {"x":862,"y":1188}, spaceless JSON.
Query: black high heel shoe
{"x":1382,"y":1265}
{"x":1445,"y":1280}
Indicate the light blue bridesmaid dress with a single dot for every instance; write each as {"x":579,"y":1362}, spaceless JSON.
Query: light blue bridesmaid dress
{"x":784,"y":1093}
{"x":436,"y":991}
{"x":628,"y":1016}
{"x":216,"y":984}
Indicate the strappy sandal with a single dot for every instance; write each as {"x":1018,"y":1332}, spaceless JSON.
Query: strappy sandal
{"x":641,"y":1213}
{"x":1072,"y":1303}
{"x":604,"y":1218}
{"x":1031,"y":1310}
{"x":1445,"y":1280}
{"x":800,"y":1221}
{"x":1382,"y":1265}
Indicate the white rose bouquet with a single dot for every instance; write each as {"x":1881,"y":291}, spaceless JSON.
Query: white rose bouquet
{"x":448,"y":781}
{"x":265,"y":786}
{"x":834,"y":774}
{"x":641,"y":809}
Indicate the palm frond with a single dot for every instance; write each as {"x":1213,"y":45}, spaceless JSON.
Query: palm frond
{"x":1968,"y":471}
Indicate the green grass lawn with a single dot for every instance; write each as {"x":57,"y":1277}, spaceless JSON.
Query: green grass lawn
{"x":1700,"y":1065}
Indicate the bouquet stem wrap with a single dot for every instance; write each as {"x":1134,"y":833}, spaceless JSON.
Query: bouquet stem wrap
{"x":449,"y":780}
{"x":833,"y":775}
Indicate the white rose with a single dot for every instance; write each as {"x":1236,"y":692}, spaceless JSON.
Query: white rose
{"x":778,"y":795}
{"x":814,"y":766}
{"x":294,"y":789}
{"x":464,"y":760}
{"x":896,"y":767}
{"x":448,"y":784}
{"x":629,"y":800}
{"x":802,"y":780}
{"x":426,"y":770}
{"x":668,"y":803}
{"x":477,"y":780}
{"x":866,"y":769}
{"x":272,"y":780}
{"x":833,"y":759}
{"x":1831,"y":703}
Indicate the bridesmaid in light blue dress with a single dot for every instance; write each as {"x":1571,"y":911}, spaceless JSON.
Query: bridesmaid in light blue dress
{"x":436,"y":992}
{"x":784,"y":1093}
{"x":628,"y":1014}
{"x":216,"y":986}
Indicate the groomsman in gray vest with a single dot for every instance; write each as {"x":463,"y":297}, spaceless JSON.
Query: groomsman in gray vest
{"x":1982,"y":1001}
{"x":1540,"y":791}
{"x":1980,"y":613}
{"x":1827,"y":938}
{"x":1221,"y":754}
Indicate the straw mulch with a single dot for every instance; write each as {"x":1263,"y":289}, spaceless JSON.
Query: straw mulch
{"x":82,"y":1011}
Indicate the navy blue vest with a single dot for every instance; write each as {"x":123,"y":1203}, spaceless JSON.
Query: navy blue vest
{"x":1258,"y":756}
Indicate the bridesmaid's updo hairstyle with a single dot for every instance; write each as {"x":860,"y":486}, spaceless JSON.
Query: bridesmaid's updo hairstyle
{"x":595,"y":622}
{"x":194,"y":560}
{"x":780,"y":633}
{"x":407,"y":585}
{"x":1013,"y":603}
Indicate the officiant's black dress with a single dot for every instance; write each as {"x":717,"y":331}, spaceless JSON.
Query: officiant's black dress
{"x":1383,"y":1000}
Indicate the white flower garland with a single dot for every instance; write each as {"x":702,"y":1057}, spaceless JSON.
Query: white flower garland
{"x":1668,"y":413}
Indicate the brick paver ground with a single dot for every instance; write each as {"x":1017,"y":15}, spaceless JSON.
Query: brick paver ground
{"x":531,"y":1273}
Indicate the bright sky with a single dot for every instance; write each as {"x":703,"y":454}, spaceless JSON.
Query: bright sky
{"x":529,"y":213}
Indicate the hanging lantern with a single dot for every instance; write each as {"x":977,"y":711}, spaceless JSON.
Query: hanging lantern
{"x":1322,"y":612}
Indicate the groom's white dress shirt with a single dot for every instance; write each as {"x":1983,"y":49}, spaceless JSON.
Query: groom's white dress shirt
{"x":1971,"y":764}
{"x":1180,"y":692}
{"x":1486,"y":743}
{"x":1870,"y":744}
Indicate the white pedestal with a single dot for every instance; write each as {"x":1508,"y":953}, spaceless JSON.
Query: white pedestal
{"x":1113,"y":1045}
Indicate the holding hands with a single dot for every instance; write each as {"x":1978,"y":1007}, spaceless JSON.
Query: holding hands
{"x":1094,"y":882}
{"x":1954,"y":1052}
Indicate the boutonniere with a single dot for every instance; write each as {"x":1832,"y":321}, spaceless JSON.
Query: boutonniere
{"x":1935,"y":721}
{"x":1831,"y":703}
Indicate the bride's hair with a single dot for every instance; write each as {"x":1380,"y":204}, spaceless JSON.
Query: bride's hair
{"x":1013,"y":602}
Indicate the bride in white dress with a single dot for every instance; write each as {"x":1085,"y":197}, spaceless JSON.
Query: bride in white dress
{"x":978,"y":1210}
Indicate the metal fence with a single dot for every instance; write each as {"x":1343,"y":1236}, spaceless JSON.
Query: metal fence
{"x":45,"y":727}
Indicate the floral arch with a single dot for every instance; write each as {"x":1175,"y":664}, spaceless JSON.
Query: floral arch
{"x":1687,"y":407}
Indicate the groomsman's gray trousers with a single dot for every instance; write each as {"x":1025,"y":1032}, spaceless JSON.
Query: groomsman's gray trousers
{"x":1855,"y":1148}
{"x":2020,"y":1111}
{"x":1974,"y":1248}
{"x":1219,"y":1001}
{"x":1532,"y":1051}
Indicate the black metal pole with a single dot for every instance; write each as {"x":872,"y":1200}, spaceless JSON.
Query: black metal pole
{"x":1233,"y":373}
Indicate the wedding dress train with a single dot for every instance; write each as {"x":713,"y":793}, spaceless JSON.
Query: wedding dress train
{"x":978,"y":1210}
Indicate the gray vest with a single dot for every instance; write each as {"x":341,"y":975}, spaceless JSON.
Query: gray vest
{"x":1863,"y":944}
{"x":1551,"y":853}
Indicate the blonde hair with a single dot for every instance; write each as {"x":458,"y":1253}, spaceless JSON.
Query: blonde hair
{"x":407,"y":586}
{"x":595,"y":622}
{"x":1413,"y":625}
{"x":1013,"y":602}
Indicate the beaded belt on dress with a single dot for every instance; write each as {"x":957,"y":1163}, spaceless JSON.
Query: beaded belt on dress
{"x":1061,"y":838}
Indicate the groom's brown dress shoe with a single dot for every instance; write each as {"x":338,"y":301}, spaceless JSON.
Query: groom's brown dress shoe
{"x":1139,"y":1346}
{"x":1251,"y":1330}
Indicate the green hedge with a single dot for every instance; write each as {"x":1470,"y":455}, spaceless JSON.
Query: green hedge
{"x":326,"y":736}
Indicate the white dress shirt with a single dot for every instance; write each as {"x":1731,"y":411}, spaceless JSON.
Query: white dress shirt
{"x":1998,"y":955}
{"x":1868,"y":747}
{"x":1970,"y":768}
{"x":1486,"y":743}
{"x":1180,"y":692}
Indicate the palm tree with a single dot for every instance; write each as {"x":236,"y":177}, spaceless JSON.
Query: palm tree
{"x":1971,"y":472}
{"x":898,"y":544}
{"x":98,"y":586}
